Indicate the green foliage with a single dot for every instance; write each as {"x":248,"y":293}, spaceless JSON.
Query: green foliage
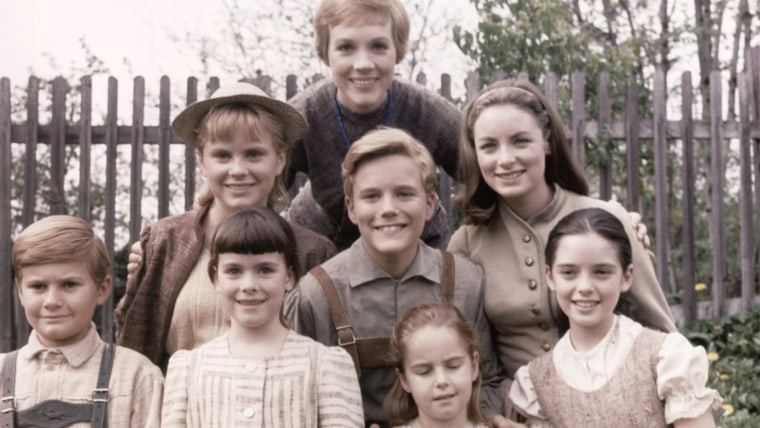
{"x":523,"y":36}
{"x":732,"y":344}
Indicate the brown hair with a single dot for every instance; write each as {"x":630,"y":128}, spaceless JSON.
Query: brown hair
{"x":221,"y":123}
{"x":382,"y":142}
{"x":61,"y":239}
{"x":331,"y":13}
{"x":255,"y":231}
{"x":477,"y":199}
{"x":399,"y":405}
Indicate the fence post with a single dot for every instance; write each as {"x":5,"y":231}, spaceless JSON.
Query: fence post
{"x":109,"y":223}
{"x":7,"y":294}
{"x":717,"y":183}
{"x":192,"y":96}
{"x":745,"y":199}
{"x":689,"y":255}
{"x":578,"y":123}
{"x":660,"y":179}
{"x":85,"y":149}
{"x":58,"y":147}
{"x":604,"y":137}
{"x":633,"y":193}
{"x":137,"y":142}
{"x":164,"y":142}
{"x":444,"y":187}
{"x":30,"y":163}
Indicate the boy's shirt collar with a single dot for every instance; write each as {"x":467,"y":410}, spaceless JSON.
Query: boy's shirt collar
{"x":364,"y":269}
{"x":75,"y":354}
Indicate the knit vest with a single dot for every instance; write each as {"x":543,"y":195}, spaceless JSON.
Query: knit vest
{"x":629,"y":399}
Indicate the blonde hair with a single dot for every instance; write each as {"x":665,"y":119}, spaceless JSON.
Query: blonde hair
{"x":221,"y":123}
{"x":399,"y":405}
{"x":477,"y":199}
{"x":383,"y":142}
{"x":331,"y":13}
{"x":60,"y":239}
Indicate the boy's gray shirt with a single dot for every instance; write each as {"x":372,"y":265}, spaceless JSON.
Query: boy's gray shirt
{"x":373,"y":301}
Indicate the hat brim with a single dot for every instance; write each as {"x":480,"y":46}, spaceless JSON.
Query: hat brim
{"x":185,"y":125}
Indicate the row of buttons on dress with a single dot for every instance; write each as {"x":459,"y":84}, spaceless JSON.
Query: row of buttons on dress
{"x":248,"y":412}
{"x":532,"y":284}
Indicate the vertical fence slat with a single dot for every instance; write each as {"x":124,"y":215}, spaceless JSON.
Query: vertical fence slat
{"x":213,"y":83}
{"x":58,"y":147}
{"x":633,"y":193}
{"x":137,"y":143}
{"x":745,"y":200}
{"x":605,"y":117}
{"x":422,"y":78}
{"x":112,"y":138}
{"x":688,"y":179}
{"x":7,"y":292}
{"x":164,"y":149}
{"x":85,"y":149}
{"x":579,"y":125}
{"x":444,"y":187}
{"x":660,"y":179}
{"x":192,"y":96}
{"x":29,"y":192}
{"x":755,"y":79}
{"x":717,"y":183}
{"x":471,"y":85}
{"x":550,"y":88}
{"x":30,"y":163}
{"x":291,"y":86}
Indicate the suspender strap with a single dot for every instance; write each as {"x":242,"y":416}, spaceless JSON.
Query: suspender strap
{"x":100,"y":394}
{"x":372,"y":353}
{"x":448,"y":275}
{"x":8,"y":403}
{"x":346,"y":337}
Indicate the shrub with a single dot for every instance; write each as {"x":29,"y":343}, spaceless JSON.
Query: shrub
{"x":733,"y":346}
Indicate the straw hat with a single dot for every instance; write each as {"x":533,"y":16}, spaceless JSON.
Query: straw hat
{"x":186,"y":123}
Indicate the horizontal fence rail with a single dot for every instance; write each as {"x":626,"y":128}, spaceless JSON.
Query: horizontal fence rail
{"x":631,"y":134}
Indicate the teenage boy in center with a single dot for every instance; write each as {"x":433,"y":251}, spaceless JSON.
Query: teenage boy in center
{"x":389,"y":179}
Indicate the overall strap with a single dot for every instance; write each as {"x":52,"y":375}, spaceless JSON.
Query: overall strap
{"x":8,"y":403}
{"x":346,"y":337}
{"x":100,"y":394}
{"x":448,"y":275}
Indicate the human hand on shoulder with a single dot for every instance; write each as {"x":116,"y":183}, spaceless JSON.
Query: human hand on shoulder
{"x":135,"y":259}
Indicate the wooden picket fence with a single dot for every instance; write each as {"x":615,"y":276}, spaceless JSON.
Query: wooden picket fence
{"x":630,"y":128}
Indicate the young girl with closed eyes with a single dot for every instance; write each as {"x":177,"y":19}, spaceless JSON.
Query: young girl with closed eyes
{"x":259,"y":373}
{"x":434,"y":350}
{"x":608,"y":370}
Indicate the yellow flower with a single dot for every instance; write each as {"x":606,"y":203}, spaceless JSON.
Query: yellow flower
{"x":723,"y":376}
{"x":729,"y":409}
{"x":713,"y":356}
{"x":717,"y":328}
{"x":701,"y":286}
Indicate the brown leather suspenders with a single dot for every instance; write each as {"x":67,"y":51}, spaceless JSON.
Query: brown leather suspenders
{"x":373,"y":352}
{"x":61,"y":412}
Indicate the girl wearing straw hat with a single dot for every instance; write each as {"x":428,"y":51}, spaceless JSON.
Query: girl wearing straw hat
{"x":241,"y":138}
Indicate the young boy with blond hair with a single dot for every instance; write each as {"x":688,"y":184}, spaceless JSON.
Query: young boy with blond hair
{"x":389,"y":180}
{"x":66,"y":375}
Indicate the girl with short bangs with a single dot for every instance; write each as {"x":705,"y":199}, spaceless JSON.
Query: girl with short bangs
{"x":259,"y":373}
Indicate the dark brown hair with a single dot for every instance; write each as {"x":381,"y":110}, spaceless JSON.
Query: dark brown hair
{"x":255,"y":231}
{"x":477,"y":199}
